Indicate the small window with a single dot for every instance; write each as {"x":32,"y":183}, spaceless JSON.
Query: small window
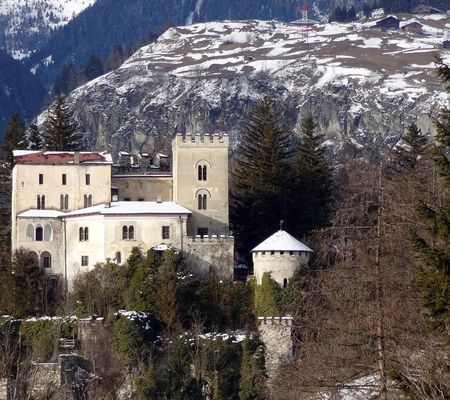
{"x":41,"y":179}
{"x":126,"y":199}
{"x":285,"y":282}
{"x":140,"y":199}
{"x":88,"y":179}
{"x":118,"y":257}
{"x":272,"y":253}
{"x":199,"y":173}
{"x":64,"y":179}
{"x":89,"y":201}
{"x":84,"y":261}
{"x":86,"y":233}
{"x":61,"y":202}
{"x":43,"y":202}
{"x":202,"y":172}
{"x":47,"y":260}
{"x":85,"y":201}
{"x":38,"y":202}
{"x":202,"y":201}
{"x":166,"y":232}
{"x":81,"y":234}
{"x":202,"y":231}
{"x":124,"y":232}
{"x":39,"y":234}
{"x":263,"y":253}
{"x":281,"y":253}
{"x":291,"y":253}
{"x":131,"y":232}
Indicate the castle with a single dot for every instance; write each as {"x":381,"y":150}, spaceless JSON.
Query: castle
{"x":70,"y":212}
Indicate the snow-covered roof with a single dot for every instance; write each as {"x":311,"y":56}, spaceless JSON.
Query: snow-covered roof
{"x":41,"y":214}
{"x":281,"y":241}
{"x":132,"y":207}
{"x":60,"y":157}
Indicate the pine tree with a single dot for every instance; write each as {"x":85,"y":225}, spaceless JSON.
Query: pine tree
{"x":412,"y":146}
{"x":252,"y":382}
{"x":61,"y":130}
{"x":14,"y":137}
{"x":434,"y":248}
{"x":260,"y":176}
{"x":312,"y":183}
{"x":34,"y":138}
{"x":267,"y":297}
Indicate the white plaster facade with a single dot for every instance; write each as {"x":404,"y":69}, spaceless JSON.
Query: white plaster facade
{"x":63,"y":213}
{"x":280,"y":255}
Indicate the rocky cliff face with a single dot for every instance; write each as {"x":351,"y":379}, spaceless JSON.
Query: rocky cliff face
{"x":363,"y":85}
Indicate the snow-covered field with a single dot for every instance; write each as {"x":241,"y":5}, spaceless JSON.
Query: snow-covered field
{"x":358,"y":53}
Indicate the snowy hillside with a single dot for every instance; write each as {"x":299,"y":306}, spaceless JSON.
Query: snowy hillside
{"x":24,"y":22}
{"x":362,"y":83}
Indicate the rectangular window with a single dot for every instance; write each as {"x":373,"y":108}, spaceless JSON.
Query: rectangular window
{"x":202,"y":231}
{"x":41,"y":179}
{"x":166,"y":232}
{"x":140,"y":199}
{"x":88,"y":179}
{"x":126,"y":199}
{"x":84,"y":261}
{"x":47,"y":262}
{"x":64,"y":179}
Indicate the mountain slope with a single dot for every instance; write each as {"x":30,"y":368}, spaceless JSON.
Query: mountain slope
{"x":363,"y":85}
{"x":26,"y":25}
{"x":20,"y":91}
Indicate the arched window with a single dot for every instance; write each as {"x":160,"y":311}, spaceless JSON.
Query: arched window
{"x":118,"y":257}
{"x":34,"y":257}
{"x":86,"y":233}
{"x":202,"y":201}
{"x":202,"y":172}
{"x":85,"y":201}
{"x":61,"y":202}
{"x":199,"y":201}
{"x":30,"y":232}
{"x":66,"y":202}
{"x":89,"y":201}
{"x":81,"y":234}
{"x":43,"y":201}
{"x":48,"y":232}
{"x":285,"y":282}
{"x":131,"y":232}
{"x":38,"y":202}
{"x":124,"y":232}
{"x":39,"y":234}
{"x":46,"y":260}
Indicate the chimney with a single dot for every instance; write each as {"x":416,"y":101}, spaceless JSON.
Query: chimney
{"x":76,"y":158}
{"x":159,"y":199}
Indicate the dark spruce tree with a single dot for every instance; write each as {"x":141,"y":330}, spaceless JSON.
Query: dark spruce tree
{"x":34,"y":138}
{"x":434,"y":247}
{"x":311,"y":186}
{"x":412,"y":146}
{"x":61,"y":130}
{"x":260,"y":176}
{"x":14,"y":137}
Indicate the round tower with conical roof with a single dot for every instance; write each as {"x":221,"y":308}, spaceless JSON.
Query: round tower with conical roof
{"x":281,"y":255}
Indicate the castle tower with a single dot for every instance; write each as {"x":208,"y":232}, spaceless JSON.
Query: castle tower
{"x":200,"y":181}
{"x":280,"y":255}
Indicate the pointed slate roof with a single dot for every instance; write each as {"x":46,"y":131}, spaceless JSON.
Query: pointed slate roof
{"x":281,"y":241}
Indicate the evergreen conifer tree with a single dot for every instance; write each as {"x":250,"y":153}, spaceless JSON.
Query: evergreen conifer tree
{"x":311,"y":185}
{"x":413,"y":145}
{"x":260,"y":176}
{"x":434,"y":248}
{"x":34,"y":138}
{"x":93,"y":68}
{"x":14,"y":137}
{"x":267,"y":297}
{"x":252,"y":382}
{"x":61,"y":130}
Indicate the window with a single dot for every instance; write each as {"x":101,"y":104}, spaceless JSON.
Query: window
{"x":124,"y":232}
{"x":83,"y":234}
{"x":126,"y":199}
{"x":118,"y":257}
{"x":165,"y":232}
{"x":202,"y":231}
{"x":285,"y":282}
{"x":48,"y":233}
{"x":46,"y":259}
{"x":40,"y":203}
{"x":281,"y":253}
{"x":291,"y":253}
{"x":88,"y":179}
{"x":41,"y":179}
{"x":87,"y":200}
{"x":30,"y":232}
{"x":140,"y":199}
{"x":202,"y":201}
{"x":39,"y":234}
{"x":64,"y":179}
{"x":66,"y":202}
{"x":272,"y":253}
{"x":202,"y":172}
{"x":84,"y":261}
{"x":131,"y":232}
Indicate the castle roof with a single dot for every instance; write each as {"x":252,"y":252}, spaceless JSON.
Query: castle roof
{"x":60,"y":157}
{"x":281,"y":241}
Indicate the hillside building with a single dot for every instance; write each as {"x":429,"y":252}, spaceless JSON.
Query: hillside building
{"x":280,"y":255}
{"x":70,"y":212}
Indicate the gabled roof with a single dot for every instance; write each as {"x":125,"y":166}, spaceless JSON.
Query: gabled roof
{"x":60,"y":157}
{"x":281,"y":241}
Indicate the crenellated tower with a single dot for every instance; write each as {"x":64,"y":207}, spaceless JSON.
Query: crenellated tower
{"x":200,"y":181}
